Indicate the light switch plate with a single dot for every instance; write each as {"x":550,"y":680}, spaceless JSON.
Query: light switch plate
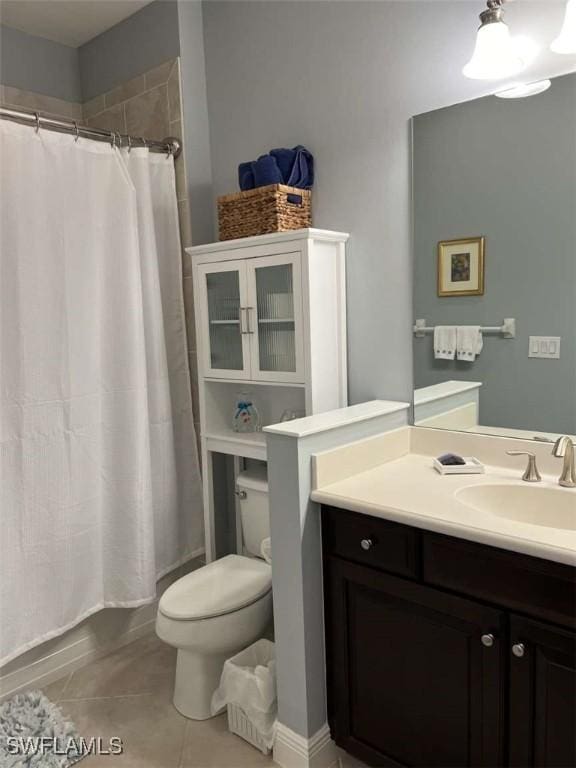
{"x":547,"y":347}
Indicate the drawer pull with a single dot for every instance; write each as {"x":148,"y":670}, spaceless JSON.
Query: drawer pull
{"x":366,"y":544}
{"x":518,"y":650}
{"x":488,"y":640}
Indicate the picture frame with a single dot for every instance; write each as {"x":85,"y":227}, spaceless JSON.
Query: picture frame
{"x":461,"y":267}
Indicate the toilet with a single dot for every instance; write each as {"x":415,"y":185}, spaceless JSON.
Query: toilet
{"x":221,"y":608}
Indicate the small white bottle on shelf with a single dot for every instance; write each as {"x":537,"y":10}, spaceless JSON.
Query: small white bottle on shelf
{"x":246,"y":417}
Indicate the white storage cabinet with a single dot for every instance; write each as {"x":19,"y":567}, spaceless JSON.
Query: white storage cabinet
{"x":271,"y":320}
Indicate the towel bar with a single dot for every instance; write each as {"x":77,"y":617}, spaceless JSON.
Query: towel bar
{"x":507,"y":329}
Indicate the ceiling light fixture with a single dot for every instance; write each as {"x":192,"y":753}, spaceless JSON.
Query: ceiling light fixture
{"x":566,"y":40}
{"x":497,"y":54}
{"x":523,"y":90}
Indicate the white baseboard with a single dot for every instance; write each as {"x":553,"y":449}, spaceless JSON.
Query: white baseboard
{"x":294,"y":751}
{"x":100,"y":634}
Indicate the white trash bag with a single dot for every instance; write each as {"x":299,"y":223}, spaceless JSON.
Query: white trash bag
{"x":249,"y":682}
{"x":266,"y":550}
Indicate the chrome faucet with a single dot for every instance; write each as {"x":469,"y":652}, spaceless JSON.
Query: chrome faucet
{"x":564,"y":449}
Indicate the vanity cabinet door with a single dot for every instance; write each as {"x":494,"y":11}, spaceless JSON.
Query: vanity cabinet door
{"x":412,"y":680}
{"x":542,"y":695}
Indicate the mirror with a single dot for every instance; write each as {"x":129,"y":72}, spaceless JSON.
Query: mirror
{"x":494,"y":196}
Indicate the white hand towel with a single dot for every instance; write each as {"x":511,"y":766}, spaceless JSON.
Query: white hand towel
{"x":469,"y":342}
{"x":445,"y":342}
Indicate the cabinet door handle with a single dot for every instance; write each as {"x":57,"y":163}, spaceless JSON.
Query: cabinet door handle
{"x":241,"y":318}
{"x":488,"y":640}
{"x":248,"y":319}
{"x":518,"y":650}
{"x":366,"y":544}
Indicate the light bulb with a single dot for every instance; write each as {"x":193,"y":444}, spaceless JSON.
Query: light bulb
{"x":566,"y":40}
{"x":495,"y":55}
{"x":525,"y":48}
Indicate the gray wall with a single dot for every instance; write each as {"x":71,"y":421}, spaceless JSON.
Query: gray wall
{"x":196,"y":128}
{"x":344,"y":78}
{"x":34,"y":64}
{"x":505,"y":170}
{"x":135,"y":45}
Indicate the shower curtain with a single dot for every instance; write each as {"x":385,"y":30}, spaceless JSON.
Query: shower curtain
{"x":99,"y":478}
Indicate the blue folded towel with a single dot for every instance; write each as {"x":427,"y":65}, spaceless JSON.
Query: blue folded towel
{"x":296,"y":166}
{"x":293,"y":167}
{"x":266,"y":171}
{"x":285,"y":160}
{"x":303,"y":171}
{"x":246,"y":176}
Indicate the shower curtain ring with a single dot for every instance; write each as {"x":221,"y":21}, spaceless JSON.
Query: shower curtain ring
{"x":113,"y":139}
{"x":77,"y":131}
{"x":37,"y":116}
{"x":129,"y":144}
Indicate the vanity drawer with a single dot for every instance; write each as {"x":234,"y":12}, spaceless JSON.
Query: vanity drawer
{"x":529,"y":585}
{"x":370,"y":541}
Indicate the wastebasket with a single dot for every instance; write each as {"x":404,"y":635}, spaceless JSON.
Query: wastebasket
{"x":248,"y":690}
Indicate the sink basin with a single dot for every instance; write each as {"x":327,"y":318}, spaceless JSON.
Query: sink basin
{"x":548,"y":507}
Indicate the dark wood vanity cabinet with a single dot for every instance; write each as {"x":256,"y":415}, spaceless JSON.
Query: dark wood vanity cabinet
{"x":411,"y":680}
{"x":422,"y":675}
{"x":542,"y":720}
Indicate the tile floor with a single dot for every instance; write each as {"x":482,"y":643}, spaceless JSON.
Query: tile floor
{"x":128,"y":694}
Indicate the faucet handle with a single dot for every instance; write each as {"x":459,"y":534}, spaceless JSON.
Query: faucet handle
{"x":565,"y":448}
{"x":561,"y":445}
{"x":531,"y":474}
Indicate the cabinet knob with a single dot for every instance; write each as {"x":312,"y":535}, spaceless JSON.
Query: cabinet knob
{"x":366,"y":544}
{"x":518,"y":650}
{"x":488,"y":640}
{"x":240,"y":494}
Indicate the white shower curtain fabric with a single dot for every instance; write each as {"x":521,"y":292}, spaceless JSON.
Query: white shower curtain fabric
{"x":99,"y":477}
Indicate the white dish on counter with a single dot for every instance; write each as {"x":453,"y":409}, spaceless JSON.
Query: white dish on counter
{"x":472,"y":467}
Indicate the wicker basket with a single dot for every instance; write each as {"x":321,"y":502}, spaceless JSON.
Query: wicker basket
{"x":275,"y":208}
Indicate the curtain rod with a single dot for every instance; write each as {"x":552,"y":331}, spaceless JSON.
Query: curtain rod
{"x":171,"y":145}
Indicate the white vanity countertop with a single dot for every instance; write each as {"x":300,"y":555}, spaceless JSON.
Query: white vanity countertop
{"x":409,"y":490}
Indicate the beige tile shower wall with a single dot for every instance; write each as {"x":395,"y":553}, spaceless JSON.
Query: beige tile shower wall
{"x":150,"y":106}
{"x":15,"y":98}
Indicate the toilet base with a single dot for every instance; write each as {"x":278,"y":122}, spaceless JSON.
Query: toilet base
{"x":197,"y":677}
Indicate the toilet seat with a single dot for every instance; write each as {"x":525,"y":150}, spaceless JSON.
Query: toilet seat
{"x":221,"y":587}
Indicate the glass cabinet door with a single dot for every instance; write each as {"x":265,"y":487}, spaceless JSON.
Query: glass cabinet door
{"x":275,"y":317}
{"x":224,"y":320}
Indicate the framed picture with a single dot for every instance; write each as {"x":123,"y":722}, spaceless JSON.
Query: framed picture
{"x":461,"y":267}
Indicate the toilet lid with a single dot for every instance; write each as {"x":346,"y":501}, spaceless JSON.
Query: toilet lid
{"x":223,"y":586}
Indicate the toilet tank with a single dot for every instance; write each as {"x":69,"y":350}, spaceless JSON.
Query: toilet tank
{"x":254,"y":509}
